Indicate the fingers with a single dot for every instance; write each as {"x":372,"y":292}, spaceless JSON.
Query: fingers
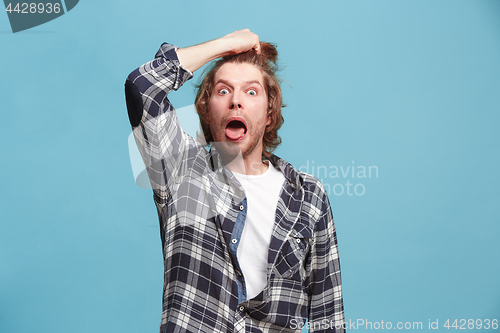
{"x":257,"y":48}
{"x":255,"y":40}
{"x":244,"y":40}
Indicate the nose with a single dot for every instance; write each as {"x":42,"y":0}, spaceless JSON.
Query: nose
{"x":235,"y":103}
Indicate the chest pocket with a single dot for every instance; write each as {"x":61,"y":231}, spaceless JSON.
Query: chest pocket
{"x":294,"y":254}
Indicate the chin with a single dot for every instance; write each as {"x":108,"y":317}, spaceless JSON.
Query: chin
{"x":228,"y":149}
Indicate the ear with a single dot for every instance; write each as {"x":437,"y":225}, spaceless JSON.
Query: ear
{"x":269,"y":110}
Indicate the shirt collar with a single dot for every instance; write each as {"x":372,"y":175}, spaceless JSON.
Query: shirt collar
{"x":294,"y":178}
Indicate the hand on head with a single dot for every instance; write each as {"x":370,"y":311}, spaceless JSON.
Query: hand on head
{"x":242,"y":41}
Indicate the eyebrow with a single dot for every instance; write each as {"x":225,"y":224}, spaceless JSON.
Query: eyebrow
{"x":246,"y":82}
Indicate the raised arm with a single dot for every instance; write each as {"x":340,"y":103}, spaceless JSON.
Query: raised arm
{"x":147,"y":87}
{"x":194,"y":57}
{"x":164,"y":147}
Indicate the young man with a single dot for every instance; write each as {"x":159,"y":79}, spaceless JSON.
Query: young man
{"x":249,"y":242}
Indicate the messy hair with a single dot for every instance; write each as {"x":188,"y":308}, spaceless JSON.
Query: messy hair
{"x":266,"y":61}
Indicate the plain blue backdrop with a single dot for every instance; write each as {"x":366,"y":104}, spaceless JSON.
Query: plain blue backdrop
{"x":410,"y":88}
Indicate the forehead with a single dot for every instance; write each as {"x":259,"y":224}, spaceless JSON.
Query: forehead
{"x":239,"y":73}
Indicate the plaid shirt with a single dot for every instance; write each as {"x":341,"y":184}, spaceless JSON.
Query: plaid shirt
{"x":202,"y":209}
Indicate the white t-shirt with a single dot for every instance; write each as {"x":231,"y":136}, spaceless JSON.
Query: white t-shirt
{"x":262,"y":192}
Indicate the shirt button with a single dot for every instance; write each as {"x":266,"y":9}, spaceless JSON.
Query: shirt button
{"x":234,"y":241}
{"x":298,"y":240}
{"x":242,"y":207}
{"x":242,"y":308}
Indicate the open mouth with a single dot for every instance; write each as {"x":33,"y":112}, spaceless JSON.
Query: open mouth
{"x":235,"y":129}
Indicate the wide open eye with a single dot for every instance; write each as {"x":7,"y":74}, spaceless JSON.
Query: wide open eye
{"x":223,"y":91}
{"x":252,"y":92}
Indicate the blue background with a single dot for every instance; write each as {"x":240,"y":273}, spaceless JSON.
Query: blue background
{"x":411,"y":87}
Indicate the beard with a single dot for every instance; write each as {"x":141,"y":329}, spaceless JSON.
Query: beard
{"x":252,"y":141}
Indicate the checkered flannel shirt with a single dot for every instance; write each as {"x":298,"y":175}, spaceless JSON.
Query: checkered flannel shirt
{"x":202,"y":209}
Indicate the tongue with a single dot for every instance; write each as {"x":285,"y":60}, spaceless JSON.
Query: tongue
{"x":234,"y":133}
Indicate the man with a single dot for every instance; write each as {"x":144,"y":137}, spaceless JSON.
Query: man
{"x":249,"y":243}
